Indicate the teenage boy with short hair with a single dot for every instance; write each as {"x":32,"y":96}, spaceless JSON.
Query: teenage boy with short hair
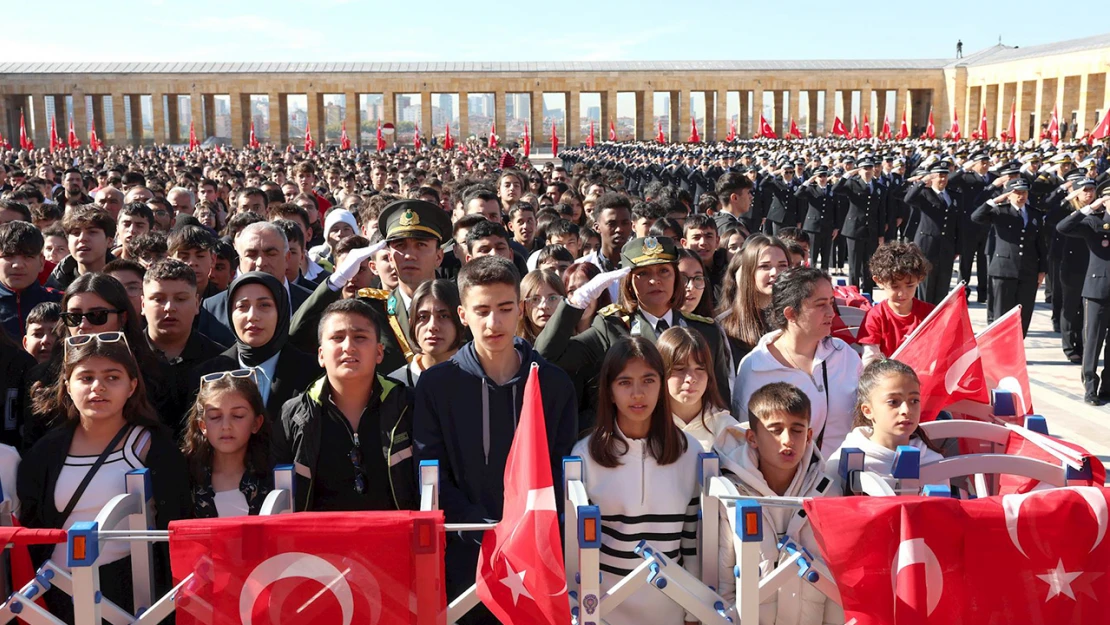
{"x":472,"y":445}
{"x":89,"y":230}
{"x":39,"y":338}
{"x":20,"y":263}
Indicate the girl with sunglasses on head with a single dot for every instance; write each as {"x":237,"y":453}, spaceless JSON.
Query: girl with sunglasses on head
{"x":227,"y":446}
{"x":76,"y":469}
{"x":94,"y":302}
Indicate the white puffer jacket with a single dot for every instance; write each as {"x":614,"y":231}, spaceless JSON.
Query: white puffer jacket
{"x":707,"y":426}
{"x":797,"y":602}
{"x":876,"y":458}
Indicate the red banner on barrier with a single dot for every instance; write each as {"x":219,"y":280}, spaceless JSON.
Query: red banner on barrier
{"x":1040,"y":558}
{"x":311,"y":568}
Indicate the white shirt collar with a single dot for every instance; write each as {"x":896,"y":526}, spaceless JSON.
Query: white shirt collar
{"x":407,"y":300}
{"x":654,"y":321}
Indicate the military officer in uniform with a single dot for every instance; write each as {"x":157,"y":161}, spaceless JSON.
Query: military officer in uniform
{"x":777,"y":195}
{"x":937,"y":230}
{"x":816,"y":199}
{"x":1020,"y":254}
{"x":1068,"y":258}
{"x":972,"y":182}
{"x":413,"y":231}
{"x":651,"y":292}
{"x":1091,"y":223}
{"x":865,"y":221}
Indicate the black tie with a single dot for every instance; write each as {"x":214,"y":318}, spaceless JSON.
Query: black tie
{"x":661,"y":326}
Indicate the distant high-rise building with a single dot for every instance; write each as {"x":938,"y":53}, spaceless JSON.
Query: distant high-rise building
{"x":594,"y":112}
{"x":447,"y":106}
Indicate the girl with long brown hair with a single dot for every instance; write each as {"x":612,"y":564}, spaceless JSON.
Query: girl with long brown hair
{"x":696,"y":404}
{"x":749,"y":279}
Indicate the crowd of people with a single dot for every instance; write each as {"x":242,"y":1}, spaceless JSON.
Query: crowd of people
{"x":210,"y":314}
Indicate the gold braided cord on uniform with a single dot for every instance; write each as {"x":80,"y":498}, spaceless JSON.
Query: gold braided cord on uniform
{"x":401,"y":340}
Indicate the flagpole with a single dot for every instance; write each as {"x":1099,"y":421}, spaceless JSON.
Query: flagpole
{"x":926,"y":320}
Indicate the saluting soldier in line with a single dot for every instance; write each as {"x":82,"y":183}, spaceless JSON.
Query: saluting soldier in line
{"x":777,"y":196}
{"x":1092,"y":224}
{"x":865,"y":222}
{"x":1068,"y":259}
{"x":972,"y":181}
{"x":1020,"y":255}
{"x":816,"y":199}
{"x":937,"y":231}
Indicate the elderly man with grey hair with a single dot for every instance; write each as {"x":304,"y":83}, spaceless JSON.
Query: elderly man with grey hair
{"x":261,"y":246}
{"x":182,"y":200}
{"x":110,"y":199}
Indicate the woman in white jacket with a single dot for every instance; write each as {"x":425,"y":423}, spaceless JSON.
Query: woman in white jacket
{"x":801,"y":352}
{"x":642,"y":472}
{"x":692,"y":386}
{"x":888,"y":415}
{"x":775,"y":457}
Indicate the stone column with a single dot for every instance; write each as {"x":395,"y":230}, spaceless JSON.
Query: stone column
{"x":354,"y":121}
{"x":389,"y":112}
{"x":426,"y":114}
{"x":41,"y":131}
{"x":645,"y":115}
{"x":679,"y":109}
{"x":811,"y":117}
{"x":241,"y":118}
{"x":61,"y":115}
{"x":209,"y":101}
{"x":795,"y":107}
{"x":119,"y":119}
{"x":830,"y":110}
{"x":1003,"y":116}
{"x":880,"y":113}
{"x":993,"y":104}
{"x":1040,"y":103}
{"x":196,"y":117}
{"x":464,"y":116}
{"x":906,"y":95}
{"x":779,"y":123}
{"x":1105,"y":96}
{"x":865,"y":108}
{"x":158,"y":117}
{"x":136,"y":119}
{"x":720,"y":126}
{"x":1085,"y":118}
{"x":1058,"y":105}
{"x":757,"y":109}
{"x":574,"y":134}
{"x":274,"y":134}
{"x":608,"y":108}
{"x":173,"y":130}
{"x":744,"y":128}
{"x":499,"y":115}
{"x":98,"y":118}
{"x":846,"y":107}
{"x":80,"y":117}
{"x":316,"y":117}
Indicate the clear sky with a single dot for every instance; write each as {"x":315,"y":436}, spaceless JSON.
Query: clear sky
{"x":476,"y":30}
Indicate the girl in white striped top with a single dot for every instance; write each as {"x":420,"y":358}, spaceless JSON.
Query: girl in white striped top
{"x":641,"y":470}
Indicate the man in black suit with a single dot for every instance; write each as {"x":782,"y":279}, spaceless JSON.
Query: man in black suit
{"x":777,"y":195}
{"x":970,"y":182}
{"x":1092,"y":224}
{"x":816,"y":199}
{"x":865,"y":221}
{"x":937,"y":231}
{"x":1020,"y":254}
{"x":261,"y":247}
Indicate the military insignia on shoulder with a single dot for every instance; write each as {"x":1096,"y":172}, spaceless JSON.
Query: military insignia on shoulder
{"x":610,"y":310}
{"x":693,"y":317}
{"x":1106,"y":226}
{"x":379,"y":294}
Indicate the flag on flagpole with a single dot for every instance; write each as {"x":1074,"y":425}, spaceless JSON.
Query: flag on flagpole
{"x":381,"y":138}
{"x":731,"y":130}
{"x":838,"y":128}
{"x":193,"y":143}
{"x":4,"y":142}
{"x":885,"y":134}
{"x":931,"y":130}
{"x":554,"y":141}
{"x":71,"y":138}
{"x":94,"y":141}
{"x":1102,"y":130}
{"x":254,"y":144}
{"x":765,"y":129}
{"x":694,"y":136}
{"x":527,"y":141}
{"x":955,"y":130}
{"x":416,"y":142}
{"x":590,"y":138}
{"x":492,"y":135}
{"x":944,"y":353}
{"x":659,"y":137}
{"x":904,"y":129}
{"x":1002,"y":351}
{"x":309,"y":142}
{"x":1011,"y":128}
{"x":344,"y":140}
{"x":866,"y":127}
{"x":520,"y":575}
{"x":55,"y":142}
{"x":983,"y":124}
{"x":612,"y":131}
{"x":448,"y":141}
{"x":1054,"y":127}
{"x":794,"y":131}
{"x":855,"y":128}
{"x":24,"y":142}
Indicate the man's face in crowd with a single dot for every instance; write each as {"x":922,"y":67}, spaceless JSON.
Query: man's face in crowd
{"x":262,"y":251}
{"x":181,"y":203}
{"x":73,"y":184}
{"x":570,"y":241}
{"x":199,"y":260}
{"x":39,"y":340}
{"x":509,"y":189}
{"x":87,"y":244}
{"x":305,"y":181}
{"x":615,"y":226}
{"x":490,"y":246}
{"x":55,"y":249}
{"x":642,"y":225}
{"x":416,"y":259}
{"x":334,"y":182}
{"x":169,"y":307}
{"x":492,"y":313}
{"x":363,"y":279}
{"x":46,"y":172}
{"x":523,"y":226}
{"x":349,"y":347}
{"x":207,"y":193}
{"x":703,"y":242}
{"x":290,"y":191}
{"x":133,"y":284}
{"x":559,"y":176}
{"x":129,"y":227}
{"x":221,"y":273}
{"x":378,"y":177}
{"x":296,"y":257}
{"x":487,"y":208}
{"x":110,"y":199}
{"x":138,"y":194}
{"x":19,"y":271}
{"x":382,"y":266}
{"x":252,"y":203}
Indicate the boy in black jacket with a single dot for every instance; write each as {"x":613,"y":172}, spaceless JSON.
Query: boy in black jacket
{"x":467,"y":409}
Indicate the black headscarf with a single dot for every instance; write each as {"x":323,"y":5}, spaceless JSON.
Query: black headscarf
{"x":254,"y":356}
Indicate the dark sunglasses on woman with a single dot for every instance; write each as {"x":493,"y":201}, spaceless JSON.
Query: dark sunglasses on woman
{"x":95,"y":317}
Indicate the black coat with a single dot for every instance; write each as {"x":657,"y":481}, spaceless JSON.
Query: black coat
{"x":971,"y":189}
{"x":294,"y":373}
{"x":781,"y":204}
{"x":1094,"y":229}
{"x":217,"y":309}
{"x":866,"y":217}
{"x":819,"y":207}
{"x":1019,"y":250}
{"x":938,"y":229}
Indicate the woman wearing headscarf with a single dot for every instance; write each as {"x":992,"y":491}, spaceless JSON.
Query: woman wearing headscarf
{"x":258,"y":312}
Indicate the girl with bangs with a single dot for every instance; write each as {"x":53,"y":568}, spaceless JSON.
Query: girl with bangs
{"x":696,"y":404}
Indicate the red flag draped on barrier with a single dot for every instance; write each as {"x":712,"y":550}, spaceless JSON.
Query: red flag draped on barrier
{"x":694,"y":136}
{"x":659,"y":137}
{"x":381,"y":138}
{"x":944,"y":353}
{"x":590,"y":137}
{"x":344,"y":140}
{"x":342,"y":568}
{"x":794,"y":132}
{"x":416,"y":142}
{"x":55,"y":142}
{"x":1054,"y":127}
{"x":254,"y":144}
{"x":71,"y":137}
{"x":554,"y":141}
{"x":193,"y":143}
{"x":309,"y":142}
{"x":954,"y":132}
{"x":838,"y":128}
{"x":866,"y":127}
{"x":612,"y":131}
{"x":731,"y":130}
{"x":765,"y":129}
{"x":1036,"y":558}
{"x":520,"y":570}
{"x":24,"y":142}
{"x":904,"y":129}
{"x":492,"y":135}
{"x":931,"y":130}
{"x":527,"y":141}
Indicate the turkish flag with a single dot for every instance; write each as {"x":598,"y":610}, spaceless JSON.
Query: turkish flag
{"x":24,"y":142}
{"x":416,"y":143}
{"x":492,"y":135}
{"x":694,"y":136}
{"x":983,"y":125}
{"x":254,"y":144}
{"x":309,"y":143}
{"x":342,"y":568}
{"x":590,"y":138}
{"x":1054,"y":127}
{"x":527,"y":141}
{"x":885,"y":134}
{"x":794,"y":132}
{"x":554,"y":141}
{"x":94,"y":141}
{"x":659,"y":137}
{"x":866,"y":127}
{"x":1039,"y":558}
{"x":838,"y":128}
{"x":612,"y":131}
{"x":1023,"y":442}
{"x":954,"y":132}
{"x":855,"y":128}
{"x":904,"y":129}
{"x":931,"y":130}
{"x":193,"y":143}
{"x":448,"y":141}
{"x":55,"y":142}
{"x":1002,"y":350}
{"x":1102,"y":130}
{"x":344,"y":140}
{"x":765,"y":129}
{"x":71,"y":138}
{"x":944,"y":353}
{"x":520,"y":574}
{"x":731,"y":130}
{"x":381,"y":139}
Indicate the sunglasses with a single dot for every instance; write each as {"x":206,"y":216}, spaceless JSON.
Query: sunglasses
{"x":102,"y":337}
{"x":240,"y":374}
{"x":95,"y":317}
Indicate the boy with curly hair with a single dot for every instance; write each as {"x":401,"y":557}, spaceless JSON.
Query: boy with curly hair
{"x":898,"y":268}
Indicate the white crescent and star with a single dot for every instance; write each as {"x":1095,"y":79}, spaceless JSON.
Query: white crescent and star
{"x":1012,"y":384}
{"x":1011,"y":508}
{"x":515,"y":583}
{"x":292,"y":565}
{"x":915,"y":551}
{"x":957,"y":370}
{"x":1059,"y":581}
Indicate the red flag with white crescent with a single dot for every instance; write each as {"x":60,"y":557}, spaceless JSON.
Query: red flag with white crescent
{"x":954,"y":132}
{"x":55,"y":142}
{"x":794,"y":131}
{"x":904,"y":129}
{"x":885,"y":134}
{"x":527,"y":141}
{"x":590,"y":137}
{"x":193,"y":143}
{"x":731,"y":130}
{"x":1054,"y":127}
{"x":520,"y":574}
{"x":695,"y":137}
{"x":765,"y":128}
{"x":344,"y":140}
{"x":931,"y":130}
{"x":554,"y":141}
{"x":983,"y":124}
{"x":254,"y":144}
{"x":659,"y":137}
{"x":309,"y":143}
{"x":94,"y":141}
{"x":866,"y":127}
{"x":1102,"y":130}
{"x":855,"y":128}
{"x":944,"y":353}
{"x":612,"y":131}
{"x":71,"y":138}
{"x":416,"y":142}
{"x":24,"y":142}
{"x":492,"y":135}
{"x":448,"y":140}
{"x":838,"y":128}
{"x":381,"y":138}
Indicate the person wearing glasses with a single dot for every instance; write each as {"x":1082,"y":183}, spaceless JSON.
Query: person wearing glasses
{"x":361,"y":419}
{"x":258,"y":313}
{"x":540,"y":294}
{"x":70,"y":474}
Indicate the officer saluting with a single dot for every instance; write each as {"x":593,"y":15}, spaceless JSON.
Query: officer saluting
{"x":937,"y":231}
{"x":816,"y":199}
{"x":1092,"y":224}
{"x":865,"y":222}
{"x":1020,"y":258}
